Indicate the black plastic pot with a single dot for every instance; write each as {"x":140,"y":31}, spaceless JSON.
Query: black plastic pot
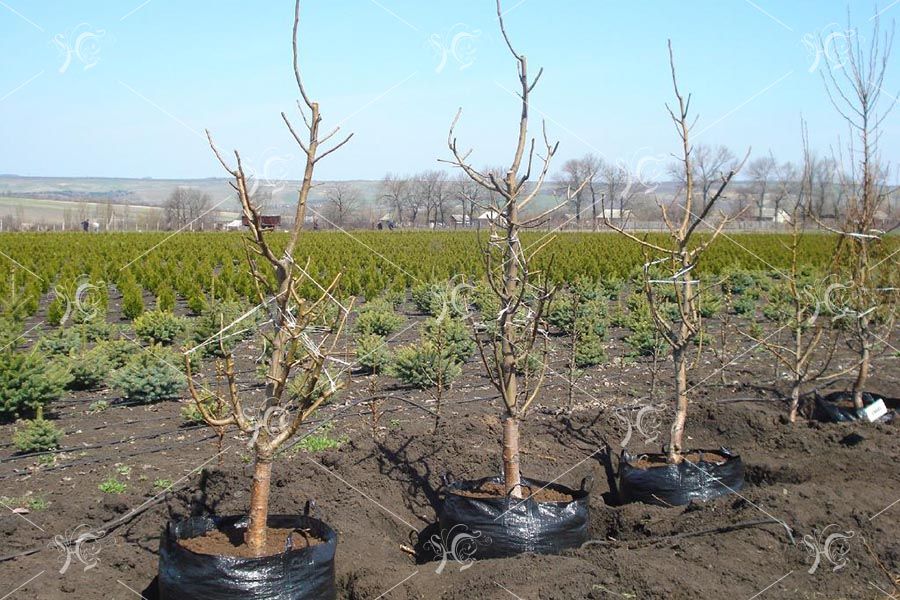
{"x":476,"y":528}
{"x":305,"y":573}
{"x":827,"y":409}
{"x":676,"y":485}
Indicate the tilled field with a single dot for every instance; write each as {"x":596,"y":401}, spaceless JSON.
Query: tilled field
{"x":379,"y":490}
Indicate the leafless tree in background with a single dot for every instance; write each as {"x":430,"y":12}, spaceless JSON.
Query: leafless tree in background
{"x":573,"y":173}
{"x":855,"y":86}
{"x":470,"y":195}
{"x":187,"y":207}
{"x":678,"y":258}
{"x":788,"y":183}
{"x":293,"y":348}
{"x":341,"y":200}
{"x":708,"y":165}
{"x":431,"y":190}
{"x":616,"y":178}
{"x":761,"y":171}
{"x":395,"y":192}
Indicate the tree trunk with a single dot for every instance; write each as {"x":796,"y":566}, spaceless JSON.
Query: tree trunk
{"x":795,"y":401}
{"x":681,"y":405}
{"x":259,"y":507}
{"x":861,"y":377}
{"x":512,"y":479}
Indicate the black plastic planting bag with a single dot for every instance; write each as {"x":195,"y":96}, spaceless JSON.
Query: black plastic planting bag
{"x":828,"y":410}
{"x":476,"y":528}
{"x":675,"y":485}
{"x":305,"y":573}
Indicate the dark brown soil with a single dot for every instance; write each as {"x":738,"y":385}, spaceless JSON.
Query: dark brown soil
{"x":219,"y":542}
{"x":380,"y":492}
{"x":497,"y":490}
{"x":649,"y":461}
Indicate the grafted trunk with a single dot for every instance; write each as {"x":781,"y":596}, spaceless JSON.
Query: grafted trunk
{"x":512,"y":478}
{"x":681,"y":406}
{"x":259,"y":507}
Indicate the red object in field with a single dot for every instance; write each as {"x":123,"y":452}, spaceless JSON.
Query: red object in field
{"x":266,"y":221}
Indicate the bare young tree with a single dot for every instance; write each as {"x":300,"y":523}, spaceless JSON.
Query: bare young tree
{"x":341,"y":200}
{"x":680,"y":257}
{"x":294,"y":349}
{"x":801,"y":296}
{"x":521,"y":290}
{"x":855,"y":85}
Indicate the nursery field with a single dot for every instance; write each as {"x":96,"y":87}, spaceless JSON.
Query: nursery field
{"x":214,"y":263}
{"x":96,"y":326}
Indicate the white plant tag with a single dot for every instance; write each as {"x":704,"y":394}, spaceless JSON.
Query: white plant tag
{"x":874,"y":411}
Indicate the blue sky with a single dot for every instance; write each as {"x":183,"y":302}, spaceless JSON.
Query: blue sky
{"x":144,"y":78}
